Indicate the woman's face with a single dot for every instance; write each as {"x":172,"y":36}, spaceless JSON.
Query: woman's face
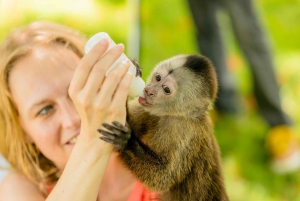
{"x":39,"y":85}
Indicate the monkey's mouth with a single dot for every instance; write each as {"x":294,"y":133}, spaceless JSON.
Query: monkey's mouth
{"x":143,"y":101}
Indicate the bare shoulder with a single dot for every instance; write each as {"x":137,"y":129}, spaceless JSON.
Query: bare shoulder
{"x":17,"y":187}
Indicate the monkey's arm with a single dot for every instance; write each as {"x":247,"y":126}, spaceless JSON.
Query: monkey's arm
{"x":155,"y":170}
{"x":121,"y":137}
{"x":118,"y":135}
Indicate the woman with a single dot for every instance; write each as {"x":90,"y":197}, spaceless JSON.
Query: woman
{"x":53,"y":100}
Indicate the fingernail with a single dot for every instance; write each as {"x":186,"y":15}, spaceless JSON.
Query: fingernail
{"x":125,"y":62}
{"x":120,"y":47}
{"x":99,"y":131}
{"x":103,"y":41}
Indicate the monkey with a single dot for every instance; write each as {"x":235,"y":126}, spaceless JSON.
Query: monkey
{"x":168,"y":142}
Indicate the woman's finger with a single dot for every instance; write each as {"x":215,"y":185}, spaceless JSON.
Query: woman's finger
{"x":112,"y":81}
{"x":97,"y":75}
{"x":117,"y":105}
{"x":85,"y":66}
{"x":121,"y":93}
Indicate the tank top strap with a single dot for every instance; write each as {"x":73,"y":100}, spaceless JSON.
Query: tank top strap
{"x":141,"y":193}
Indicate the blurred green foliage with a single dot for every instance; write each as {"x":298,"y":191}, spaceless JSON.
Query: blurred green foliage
{"x":167,"y":30}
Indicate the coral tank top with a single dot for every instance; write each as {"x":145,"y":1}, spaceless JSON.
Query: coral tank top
{"x":139,"y":193}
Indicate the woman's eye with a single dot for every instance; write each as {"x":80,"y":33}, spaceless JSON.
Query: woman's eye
{"x":158,"y":77}
{"x":166,"y":89}
{"x":45,"y":110}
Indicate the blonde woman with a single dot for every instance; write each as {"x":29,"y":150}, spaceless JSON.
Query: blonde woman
{"x":53,"y":99}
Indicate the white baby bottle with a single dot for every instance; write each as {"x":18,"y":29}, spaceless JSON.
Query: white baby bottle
{"x":137,"y":84}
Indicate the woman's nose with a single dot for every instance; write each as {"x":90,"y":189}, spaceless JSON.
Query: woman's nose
{"x":70,"y":116}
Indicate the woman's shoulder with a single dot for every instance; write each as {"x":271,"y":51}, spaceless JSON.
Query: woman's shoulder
{"x":17,"y":187}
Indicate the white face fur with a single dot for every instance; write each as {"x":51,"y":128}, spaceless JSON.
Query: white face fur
{"x":162,"y":85}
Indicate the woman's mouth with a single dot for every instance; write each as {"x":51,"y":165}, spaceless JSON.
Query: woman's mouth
{"x":73,"y":140}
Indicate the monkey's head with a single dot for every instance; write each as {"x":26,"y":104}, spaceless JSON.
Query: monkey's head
{"x":184,"y":85}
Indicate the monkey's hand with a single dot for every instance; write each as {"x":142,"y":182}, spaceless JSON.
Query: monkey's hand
{"x":138,"y":69}
{"x":117,"y":135}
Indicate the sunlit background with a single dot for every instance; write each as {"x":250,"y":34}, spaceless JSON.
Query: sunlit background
{"x":166,"y":29}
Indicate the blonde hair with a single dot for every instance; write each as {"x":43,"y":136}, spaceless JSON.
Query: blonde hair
{"x":23,"y":156}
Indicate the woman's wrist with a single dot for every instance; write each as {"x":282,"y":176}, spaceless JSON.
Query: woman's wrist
{"x":91,"y":146}
{"x":84,"y":171}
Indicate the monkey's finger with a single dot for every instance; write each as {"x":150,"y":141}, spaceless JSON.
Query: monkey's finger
{"x":118,"y":142}
{"x":113,"y":127}
{"x":107,"y":140}
{"x":85,"y":66}
{"x":126,"y":131}
{"x":108,"y":134}
{"x":117,"y":131}
{"x":108,"y":126}
{"x":114,"y":135}
{"x":122,"y":128}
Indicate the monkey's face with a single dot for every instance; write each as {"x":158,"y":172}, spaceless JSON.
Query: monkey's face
{"x":184,"y":85}
{"x":161,"y":87}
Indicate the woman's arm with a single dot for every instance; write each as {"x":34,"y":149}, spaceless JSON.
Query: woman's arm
{"x":98,"y":99}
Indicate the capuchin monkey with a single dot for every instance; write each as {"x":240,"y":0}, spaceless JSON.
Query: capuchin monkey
{"x":168,"y":143}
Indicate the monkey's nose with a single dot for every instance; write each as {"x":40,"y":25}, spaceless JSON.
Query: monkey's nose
{"x":148,"y":91}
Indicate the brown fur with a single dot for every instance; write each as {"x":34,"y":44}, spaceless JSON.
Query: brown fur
{"x":172,"y":149}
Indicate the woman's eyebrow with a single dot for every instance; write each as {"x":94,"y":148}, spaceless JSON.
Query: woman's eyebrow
{"x":36,"y":104}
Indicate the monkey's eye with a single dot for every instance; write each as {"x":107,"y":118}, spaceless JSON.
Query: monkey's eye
{"x":158,"y":77}
{"x":166,"y":89}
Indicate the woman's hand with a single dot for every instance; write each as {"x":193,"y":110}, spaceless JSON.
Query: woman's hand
{"x":97,"y":98}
